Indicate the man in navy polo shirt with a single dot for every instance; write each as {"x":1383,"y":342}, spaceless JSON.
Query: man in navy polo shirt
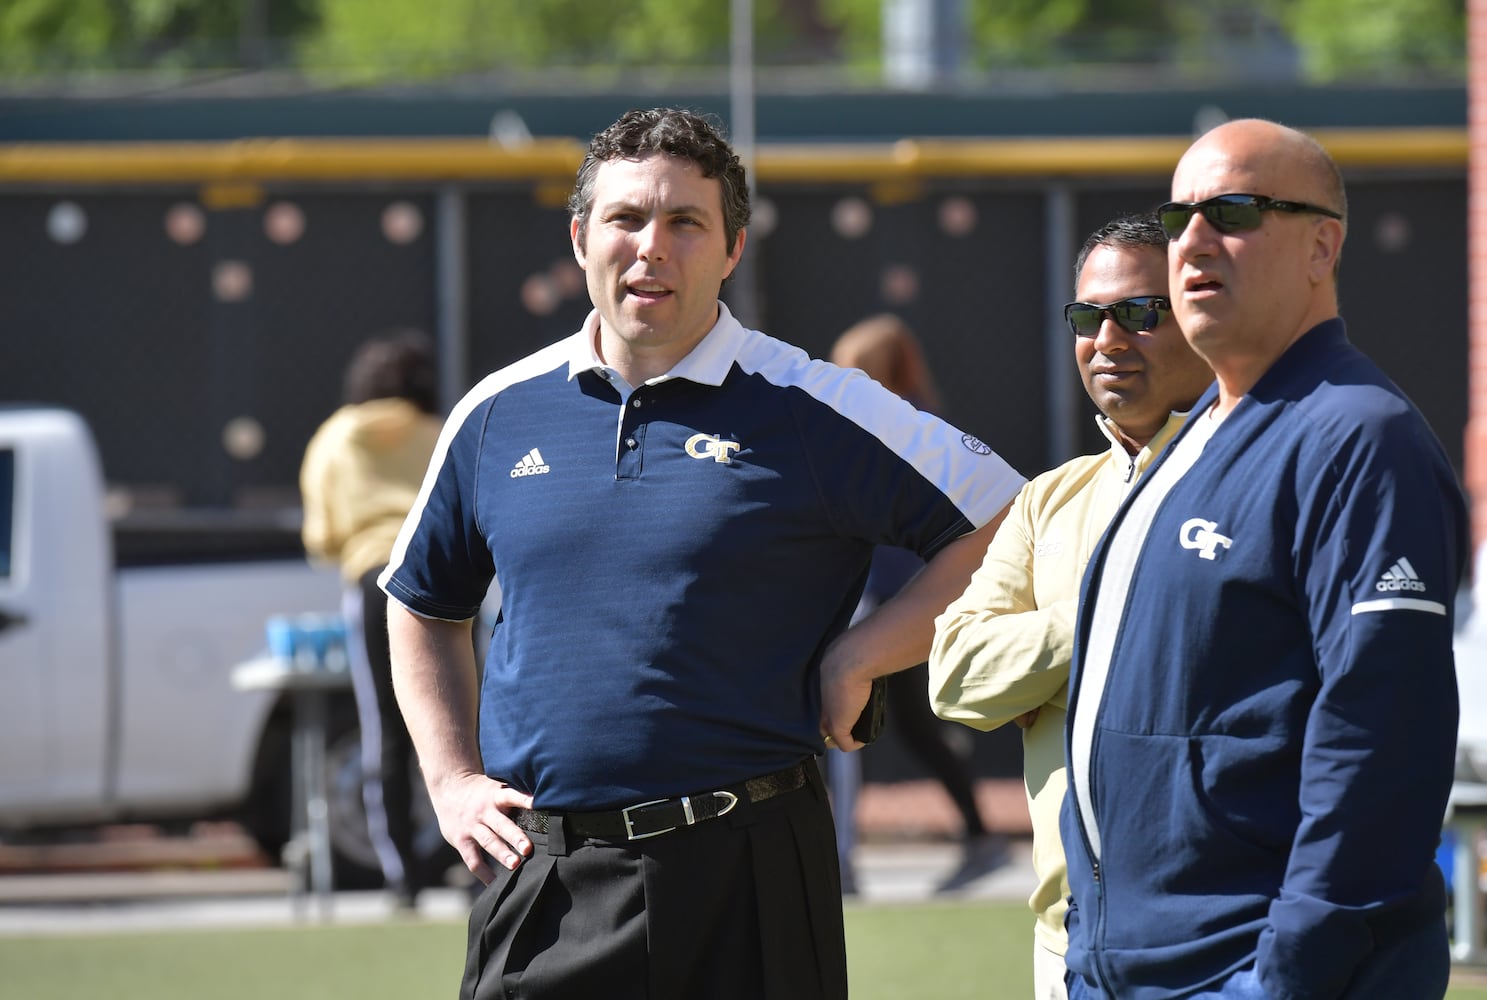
{"x":680,"y":513}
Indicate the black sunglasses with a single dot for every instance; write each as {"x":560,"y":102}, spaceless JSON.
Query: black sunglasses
{"x":1136,"y":315}
{"x":1231,"y":213}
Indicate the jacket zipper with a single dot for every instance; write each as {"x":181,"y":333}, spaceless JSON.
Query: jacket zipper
{"x":1098,"y":926}
{"x":1098,"y":923}
{"x":1097,"y":930}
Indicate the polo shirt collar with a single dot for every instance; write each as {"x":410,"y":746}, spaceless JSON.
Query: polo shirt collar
{"x":707,"y":364}
{"x":1122,"y":458}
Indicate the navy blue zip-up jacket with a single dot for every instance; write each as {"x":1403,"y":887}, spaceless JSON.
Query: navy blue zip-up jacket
{"x":1273,"y":747}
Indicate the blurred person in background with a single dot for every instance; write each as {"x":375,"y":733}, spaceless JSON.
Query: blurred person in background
{"x":884,"y":347}
{"x":359,"y":478}
{"x":1263,"y":703}
{"x":680,"y":512}
{"x":1001,"y":652}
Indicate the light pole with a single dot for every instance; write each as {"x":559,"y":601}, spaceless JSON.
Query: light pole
{"x":744,"y":301}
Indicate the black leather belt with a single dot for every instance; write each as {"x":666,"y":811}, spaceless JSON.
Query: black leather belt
{"x":651,"y":819}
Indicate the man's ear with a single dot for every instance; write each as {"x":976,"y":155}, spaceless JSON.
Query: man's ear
{"x":578,"y":251}
{"x":1326,"y":249}
{"x":737,"y":254}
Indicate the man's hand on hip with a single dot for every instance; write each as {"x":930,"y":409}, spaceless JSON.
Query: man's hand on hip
{"x":472,"y":812}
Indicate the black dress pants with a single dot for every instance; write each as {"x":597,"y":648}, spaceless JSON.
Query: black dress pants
{"x":743,"y":907}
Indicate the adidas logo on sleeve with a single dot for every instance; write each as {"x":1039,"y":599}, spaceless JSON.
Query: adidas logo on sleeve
{"x":531,"y":464}
{"x":1400,"y":576}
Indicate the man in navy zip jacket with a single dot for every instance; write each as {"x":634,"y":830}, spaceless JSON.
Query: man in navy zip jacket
{"x":1263,"y":703}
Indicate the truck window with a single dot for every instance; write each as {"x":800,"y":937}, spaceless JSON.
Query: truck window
{"x":7,"y":506}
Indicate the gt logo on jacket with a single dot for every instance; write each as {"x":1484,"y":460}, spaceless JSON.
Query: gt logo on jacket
{"x":1197,"y":533}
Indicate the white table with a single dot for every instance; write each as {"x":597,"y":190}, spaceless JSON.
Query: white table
{"x":309,"y":683}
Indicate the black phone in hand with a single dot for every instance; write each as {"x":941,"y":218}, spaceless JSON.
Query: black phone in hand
{"x":869,"y":725}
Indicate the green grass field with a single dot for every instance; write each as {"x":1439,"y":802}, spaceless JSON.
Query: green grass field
{"x":941,"y":950}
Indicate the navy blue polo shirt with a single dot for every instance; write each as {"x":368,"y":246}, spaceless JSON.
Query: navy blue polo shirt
{"x":672,"y":562}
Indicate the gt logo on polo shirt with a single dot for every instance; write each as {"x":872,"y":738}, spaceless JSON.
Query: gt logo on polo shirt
{"x":711,"y":446}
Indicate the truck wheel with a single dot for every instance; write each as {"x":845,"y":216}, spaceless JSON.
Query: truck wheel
{"x":266,"y":813}
{"x":356,"y":864}
{"x":355,"y":860}
{"x":266,"y":816}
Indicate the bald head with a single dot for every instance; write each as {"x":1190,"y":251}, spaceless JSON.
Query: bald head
{"x":1244,"y":291}
{"x":1288,"y":163}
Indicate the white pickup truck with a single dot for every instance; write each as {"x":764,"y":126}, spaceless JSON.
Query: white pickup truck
{"x":116,"y":701}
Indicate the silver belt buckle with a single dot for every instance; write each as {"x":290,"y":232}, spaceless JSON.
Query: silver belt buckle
{"x":686,"y":801}
{"x":630,"y":833}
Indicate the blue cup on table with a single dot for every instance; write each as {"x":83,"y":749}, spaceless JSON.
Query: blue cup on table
{"x":326,"y":637}
{"x":282,"y":639}
{"x":308,"y":641}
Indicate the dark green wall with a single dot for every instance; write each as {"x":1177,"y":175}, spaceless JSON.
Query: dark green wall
{"x":780,"y":118}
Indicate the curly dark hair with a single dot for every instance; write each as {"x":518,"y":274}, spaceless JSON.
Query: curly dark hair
{"x":1138,"y":229}
{"x":675,"y":132}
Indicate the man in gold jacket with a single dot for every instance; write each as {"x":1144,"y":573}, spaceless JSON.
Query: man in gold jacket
{"x":1002,"y":650}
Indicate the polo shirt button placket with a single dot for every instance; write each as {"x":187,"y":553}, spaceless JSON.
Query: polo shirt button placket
{"x":629,"y":458}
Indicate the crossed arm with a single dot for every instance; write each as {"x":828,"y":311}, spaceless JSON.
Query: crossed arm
{"x":896,"y":635}
{"x":1000,"y":653}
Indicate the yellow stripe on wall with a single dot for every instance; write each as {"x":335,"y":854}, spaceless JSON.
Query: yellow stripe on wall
{"x":474,"y":160}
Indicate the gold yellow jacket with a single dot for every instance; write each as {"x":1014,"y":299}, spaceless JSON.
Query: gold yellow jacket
{"x":1003,"y":648}
{"x":360,"y":475}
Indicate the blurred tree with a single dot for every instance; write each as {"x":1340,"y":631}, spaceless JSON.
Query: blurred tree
{"x":42,"y":35}
{"x":861,"y":25}
{"x":435,"y":37}
{"x":1022,"y":33}
{"x":1323,"y":40}
{"x":1326,"y":40}
{"x":38,"y":34}
{"x":1369,"y":39}
{"x":1232,"y":40}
